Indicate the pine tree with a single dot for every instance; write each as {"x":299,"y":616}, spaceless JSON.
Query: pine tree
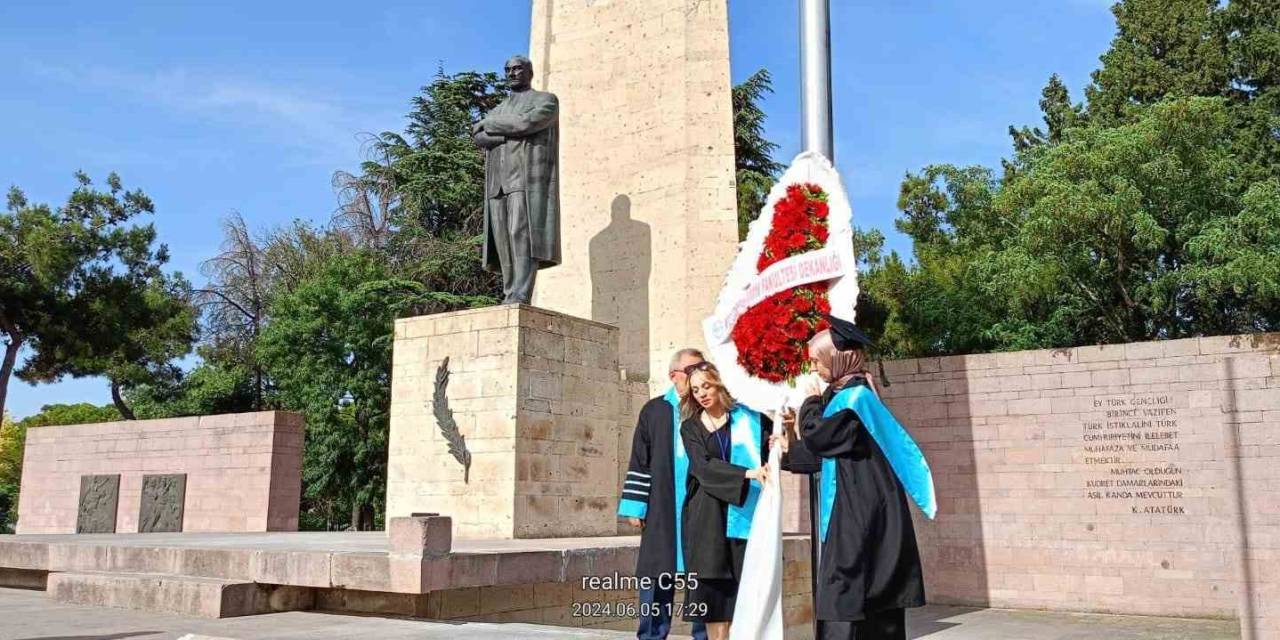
{"x":1059,"y":112}
{"x":1161,"y":48}
{"x":755,"y":169}
{"x":1252,"y":32}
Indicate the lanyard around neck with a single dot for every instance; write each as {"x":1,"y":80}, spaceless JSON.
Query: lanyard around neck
{"x":721,"y":434}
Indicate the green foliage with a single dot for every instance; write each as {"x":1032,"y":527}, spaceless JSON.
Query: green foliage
{"x":1115,"y":234}
{"x":1183,"y":48}
{"x":1252,"y":30}
{"x":755,"y":169}
{"x":1099,"y":229}
{"x":1162,"y":48}
{"x":85,"y":292}
{"x":12,"y":439}
{"x":434,"y":168}
{"x":1148,"y":212}
{"x":1238,"y":260}
{"x":1059,"y":112}
{"x":328,"y":347}
{"x":63,"y":414}
{"x":211,"y":388}
{"x":132,"y":337}
{"x":244,"y":279}
{"x":419,"y":199}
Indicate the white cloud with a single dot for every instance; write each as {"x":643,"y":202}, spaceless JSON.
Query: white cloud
{"x":323,"y":128}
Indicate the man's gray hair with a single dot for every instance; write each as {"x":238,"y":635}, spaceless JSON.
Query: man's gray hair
{"x":693,"y":353}
{"x":522,"y":59}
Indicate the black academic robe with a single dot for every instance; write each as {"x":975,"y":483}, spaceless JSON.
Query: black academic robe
{"x":870,"y":561}
{"x":713,"y":485}
{"x":652,"y":448}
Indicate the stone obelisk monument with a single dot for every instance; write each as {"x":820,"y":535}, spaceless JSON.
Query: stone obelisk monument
{"x":647,"y":189}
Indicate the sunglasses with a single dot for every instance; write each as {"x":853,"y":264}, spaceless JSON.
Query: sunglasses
{"x":699,"y":366}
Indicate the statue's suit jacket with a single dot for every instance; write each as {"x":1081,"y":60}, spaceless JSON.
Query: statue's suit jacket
{"x":522,"y":139}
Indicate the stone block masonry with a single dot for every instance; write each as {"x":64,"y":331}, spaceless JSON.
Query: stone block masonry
{"x":243,"y":471}
{"x":536,"y":394}
{"x":1134,"y":479}
{"x":647,"y":187}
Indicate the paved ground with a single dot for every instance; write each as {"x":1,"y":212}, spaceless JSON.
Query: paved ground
{"x":29,"y":615}
{"x":958,"y":623}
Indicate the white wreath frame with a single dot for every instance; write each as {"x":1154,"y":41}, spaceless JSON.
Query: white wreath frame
{"x":808,"y":167}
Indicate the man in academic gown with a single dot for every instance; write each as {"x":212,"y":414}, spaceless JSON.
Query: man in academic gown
{"x":869,"y":571}
{"x":648,"y":500}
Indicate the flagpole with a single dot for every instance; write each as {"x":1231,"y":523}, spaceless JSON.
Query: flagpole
{"x":815,"y":93}
{"x":815,"y":76}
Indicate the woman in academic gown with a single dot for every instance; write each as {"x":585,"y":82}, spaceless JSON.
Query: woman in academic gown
{"x":726,"y":443}
{"x":869,"y":571}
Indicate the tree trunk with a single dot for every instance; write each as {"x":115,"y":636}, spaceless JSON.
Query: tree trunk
{"x":118,"y":400}
{"x":257,"y":388}
{"x":6,"y":368}
{"x":361,"y":517}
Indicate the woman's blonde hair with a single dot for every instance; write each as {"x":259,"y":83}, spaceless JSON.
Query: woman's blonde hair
{"x":690,"y":407}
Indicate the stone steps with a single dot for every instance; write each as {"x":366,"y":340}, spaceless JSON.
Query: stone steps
{"x":183,"y":595}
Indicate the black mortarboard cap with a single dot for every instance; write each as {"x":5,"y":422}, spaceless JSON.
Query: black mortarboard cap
{"x":846,"y":336}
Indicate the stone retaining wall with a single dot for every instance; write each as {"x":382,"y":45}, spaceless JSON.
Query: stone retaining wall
{"x":244,"y":471}
{"x":1138,"y":479}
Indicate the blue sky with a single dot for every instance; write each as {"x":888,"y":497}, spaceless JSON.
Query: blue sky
{"x":218,"y":107}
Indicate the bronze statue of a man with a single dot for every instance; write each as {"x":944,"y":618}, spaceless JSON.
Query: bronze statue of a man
{"x":520,"y":138}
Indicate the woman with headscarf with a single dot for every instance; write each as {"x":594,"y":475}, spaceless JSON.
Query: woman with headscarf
{"x":869,"y":568}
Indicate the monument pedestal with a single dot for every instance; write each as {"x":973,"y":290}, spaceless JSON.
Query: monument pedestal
{"x":537,"y":397}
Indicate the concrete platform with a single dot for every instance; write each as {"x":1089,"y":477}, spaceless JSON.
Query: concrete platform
{"x":184,"y":595}
{"x":482,"y":588}
{"x":230,"y":574}
{"x":360,"y":561}
{"x":27,"y":615}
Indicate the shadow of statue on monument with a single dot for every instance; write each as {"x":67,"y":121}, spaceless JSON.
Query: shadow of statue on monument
{"x":621,"y":258}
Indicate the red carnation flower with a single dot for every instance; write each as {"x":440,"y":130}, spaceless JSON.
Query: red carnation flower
{"x":772,"y":337}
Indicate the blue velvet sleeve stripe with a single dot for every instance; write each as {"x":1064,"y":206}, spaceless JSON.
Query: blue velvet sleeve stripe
{"x":629,"y":508}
